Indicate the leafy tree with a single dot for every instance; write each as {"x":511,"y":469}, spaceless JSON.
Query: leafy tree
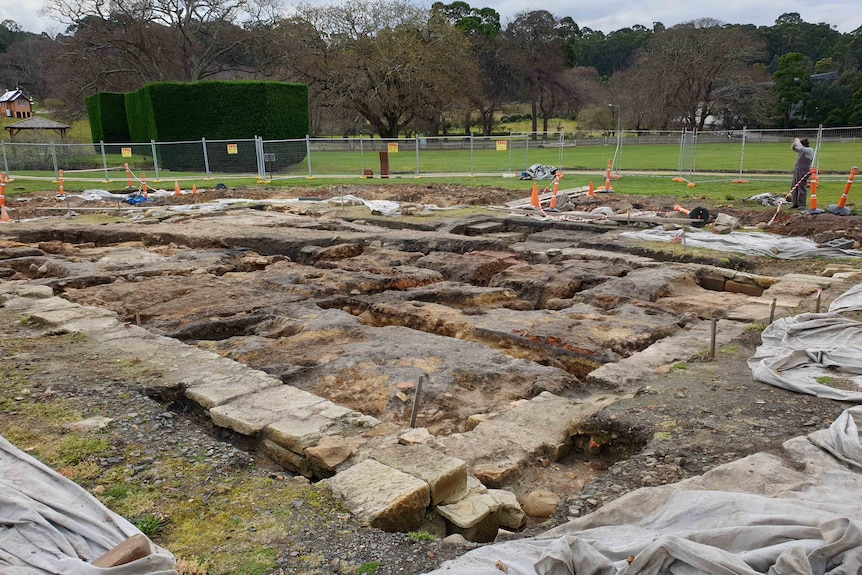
{"x":792,"y":86}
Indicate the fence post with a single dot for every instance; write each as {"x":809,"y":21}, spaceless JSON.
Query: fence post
{"x":54,"y":157}
{"x":361,"y":156}
{"x":206,"y":158}
{"x":417,"y":154}
{"x":526,"y":151}
{"x":155,"y":160}
{"x":261,"y":167}
{"x":5,"y":162}
{"x":308,"y":153}
{"x":104,"y":159}
{"x":561,"y":149}
{"x":471,"y":153}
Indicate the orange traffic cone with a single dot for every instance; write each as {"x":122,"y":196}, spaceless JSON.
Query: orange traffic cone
{"x":534,"y":198}
{"x":194,"y":189}
{"x":592,"y":192}
{"x":177,"y":191}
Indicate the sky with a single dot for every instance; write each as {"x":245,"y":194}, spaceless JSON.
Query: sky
{"x":604,"y":15}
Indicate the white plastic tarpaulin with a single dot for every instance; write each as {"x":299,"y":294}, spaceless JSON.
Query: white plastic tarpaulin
{"x":798,"y":513}
{"x":815,"y":353}
{"x":50,"y":525}
{"x":749,"y":243}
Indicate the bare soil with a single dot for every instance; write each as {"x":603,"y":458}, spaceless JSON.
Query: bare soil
{"x":186,"y":473}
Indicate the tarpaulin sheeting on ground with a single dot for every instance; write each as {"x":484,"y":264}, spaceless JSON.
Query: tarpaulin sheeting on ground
{"x":538,"y":172}
{"x":749,"y":243}
{"x":50,"y":525}
{"x":815,"y":353}
{"x":798,"y":513}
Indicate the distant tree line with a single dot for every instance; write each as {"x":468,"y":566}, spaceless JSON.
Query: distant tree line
{"x":391,"y":67}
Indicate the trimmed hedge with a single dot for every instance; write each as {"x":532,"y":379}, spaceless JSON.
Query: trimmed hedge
{"x":107,"y":113}
{"x":215,"y":110}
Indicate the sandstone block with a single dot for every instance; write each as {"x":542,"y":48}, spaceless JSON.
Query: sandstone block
{"x":747,"y":289}
{"x":511,"y":514}
{"x":250,"y":413}
{"x":288,"y":459}
{"x":712,"y":283}
{"x":381,"y":496}
{"x":476,"y":517}
{"x":444,"y":475}
{"x":330,"y":452}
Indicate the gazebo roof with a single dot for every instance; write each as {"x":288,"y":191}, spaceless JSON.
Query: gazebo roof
{"x":36,"y":123}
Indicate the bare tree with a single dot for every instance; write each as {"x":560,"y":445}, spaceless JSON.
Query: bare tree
{"x":691,"y":61}
{"x":185,"y":40}
{"x":389,"y":60}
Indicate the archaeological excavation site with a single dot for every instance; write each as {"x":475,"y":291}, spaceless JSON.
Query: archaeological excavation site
{"x":465,"y":370}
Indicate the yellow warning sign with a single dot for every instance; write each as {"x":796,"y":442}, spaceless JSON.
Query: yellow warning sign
{"x":502,"y":145}
{"x":231,"y":149}
{"x":393,"y":147}
{"x":126,"y":152}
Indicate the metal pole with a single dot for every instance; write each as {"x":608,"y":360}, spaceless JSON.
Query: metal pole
{"x":206,"y":157}
{"x":712,"y":338}
{"x":560,"y":155}
{"x":104,"y":159}
{"x":5,"y":162}
{"x":417,"y":155}
{"x":742,"y":153}
{"x":54,"y":156}
{"x":361,"y":158}
{"x":526,"y":152}
{"x":416,"y":400}
{"x":155,"y":160}
{"x":772,"y":309}
{"x":471,"y":153}
{"x":308,"y":153}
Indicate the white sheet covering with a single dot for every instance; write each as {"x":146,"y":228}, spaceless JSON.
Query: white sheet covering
{"x":749,"y":243}
{"x":808,"y":352}
{"x":50,"y":525}
{"x":800,"y":514}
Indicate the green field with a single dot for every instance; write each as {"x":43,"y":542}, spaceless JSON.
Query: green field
{"x":646,"y":169}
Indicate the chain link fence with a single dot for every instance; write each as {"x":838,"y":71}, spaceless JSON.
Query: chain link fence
{"x":727,"y":151}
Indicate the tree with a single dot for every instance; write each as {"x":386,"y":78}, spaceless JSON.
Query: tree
{"x":692,"y":61}
{"x":535,"y":48}
{"x":185,"y":40}
{"x":792,"y":86}
{"x":388,"y":60}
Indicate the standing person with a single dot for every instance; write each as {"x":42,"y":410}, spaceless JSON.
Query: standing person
{"x":801,"y":170}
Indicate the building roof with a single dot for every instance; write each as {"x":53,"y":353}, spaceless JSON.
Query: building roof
{"x":36,"y":123}
{"x":11,"y":95}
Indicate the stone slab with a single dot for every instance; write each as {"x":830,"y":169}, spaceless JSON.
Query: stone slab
{"x":682,"y":346}
{"x":445,"y":475}
{"x":381,"y":496}
{"x":250,"y":413}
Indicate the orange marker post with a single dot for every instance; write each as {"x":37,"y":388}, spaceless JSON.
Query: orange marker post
{"x":534,"y":197}
{"x":194,"y":189}
{"x":592,"y":192}
{"x":128,"y":176}
{"x":608,"y":187}
{"x":853,"y":171}
{"x":556,"y":189}
{"x":61,"y":193}
{"x":144,"y":186}
{"x":4,"y":215}
{"x":812,"y":203}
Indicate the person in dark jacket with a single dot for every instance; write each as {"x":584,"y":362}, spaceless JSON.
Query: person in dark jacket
{"x":799,"y":191}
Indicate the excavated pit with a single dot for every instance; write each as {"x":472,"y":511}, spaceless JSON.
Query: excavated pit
{"x":515,"y":325}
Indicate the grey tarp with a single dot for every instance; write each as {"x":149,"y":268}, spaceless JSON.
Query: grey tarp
{"x":50,"y":525}
{"x":815,"y":353}
{"x":749,"y":243}
{"x":799,"y":513}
